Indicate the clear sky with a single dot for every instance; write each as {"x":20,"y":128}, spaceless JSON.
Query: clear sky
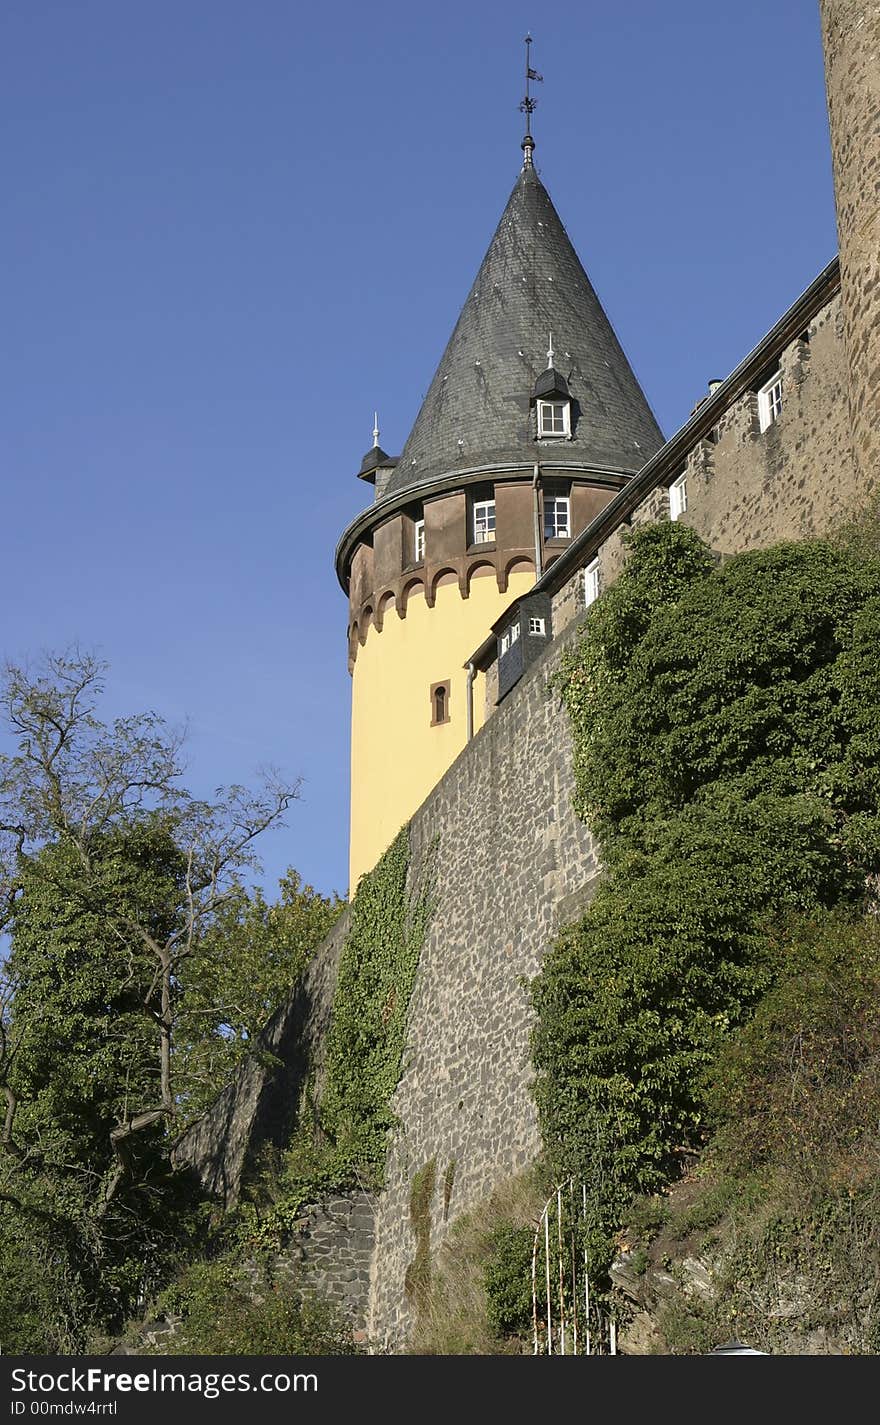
{"x":231,"y":230}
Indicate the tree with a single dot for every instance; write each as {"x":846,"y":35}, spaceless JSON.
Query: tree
{"x":101,"y":844}
{"x":247,"y":960}
{"x":119,"y":893}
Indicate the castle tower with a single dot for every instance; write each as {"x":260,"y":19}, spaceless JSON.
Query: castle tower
{"x":533,"y":422}
{"x":851,"y":37}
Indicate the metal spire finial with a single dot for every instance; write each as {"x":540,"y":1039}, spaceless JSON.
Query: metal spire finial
{"x":550,"y":352}
{"x":375,"y":430}
{"x":528,"y":104}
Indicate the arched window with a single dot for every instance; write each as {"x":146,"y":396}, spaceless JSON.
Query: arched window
{"x":439,"y":703}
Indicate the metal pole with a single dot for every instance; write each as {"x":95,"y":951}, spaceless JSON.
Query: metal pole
{"x":535,"y":1287}
{"x":561,"y":1271}
{"x":586,"y":1278}
{"x":547,"y":1266}
{"x":574,"y":1293}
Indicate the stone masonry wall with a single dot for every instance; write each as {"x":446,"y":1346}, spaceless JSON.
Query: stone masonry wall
{"x":851,"y":35}
{"x":749,"y":488}
{"x":793,"y":480}
{"x":331,"y":1253}
{"x":513,"y":865}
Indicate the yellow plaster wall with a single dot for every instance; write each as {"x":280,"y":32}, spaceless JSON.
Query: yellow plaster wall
{"x":396,"y":755}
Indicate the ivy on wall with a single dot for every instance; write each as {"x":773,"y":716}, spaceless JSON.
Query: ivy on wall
{"x":341,"y":1137}
{"x":726,"y":724}
{"x":367,"y":1035}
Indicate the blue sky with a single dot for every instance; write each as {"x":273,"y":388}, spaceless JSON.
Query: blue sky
{"x":233,"y":230}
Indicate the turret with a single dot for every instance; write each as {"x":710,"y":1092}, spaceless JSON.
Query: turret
{"x":516,"y":448}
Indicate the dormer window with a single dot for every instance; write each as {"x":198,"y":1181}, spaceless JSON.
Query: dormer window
{"x":554,"y":419}
{"x":552,"y":402}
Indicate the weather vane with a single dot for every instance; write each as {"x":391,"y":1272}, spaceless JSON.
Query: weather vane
{"x":527,"y":106}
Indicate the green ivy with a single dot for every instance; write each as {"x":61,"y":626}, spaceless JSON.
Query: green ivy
{"x":340,"y":1138}
{"x":726,"y":725}
{"x":367,"y":1036}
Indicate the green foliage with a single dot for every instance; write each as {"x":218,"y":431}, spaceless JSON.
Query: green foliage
{"x":646,"y":1215}
{"x":797,"y":1092}
{"x":138,"y":974}
{"x":83,"y":1055}
{"x":509,"y":1280}
{"x":221,"y":1315}
{"x":762,"y":677}
{"x":727,"y":747}
{"x":784,"y":1206}
{"x":284,"y":1182}
{"x":367,"y":1035}
{"x":44,"y":1308}
{"x":85,"y":1046}
{"x":249,"y":958}
{"x":453,"y":1311}
{"x":340,"y":1137}
{"x":790,"y":1275}
{"x":662,"y":561}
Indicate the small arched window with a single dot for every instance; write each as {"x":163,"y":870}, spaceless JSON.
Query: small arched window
{"x":439,"y":703}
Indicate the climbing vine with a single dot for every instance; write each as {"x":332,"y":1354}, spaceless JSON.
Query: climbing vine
{"x":726,"y":724}
{"x":340,"y":1139}
{"x":367,"y":1036}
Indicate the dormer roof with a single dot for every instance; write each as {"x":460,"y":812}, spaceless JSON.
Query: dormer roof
{"x":551,"y":383}
{"x":373,"y":460}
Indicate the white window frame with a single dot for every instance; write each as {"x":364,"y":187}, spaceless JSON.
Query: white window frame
{"x":536,"y":627}
{"x":591,"y":582}
{"x":509,"y":637}
{"x":484,"y":514}
{"x":419,"y":541}
{"x":678,"y":498}
{"x":770,"y":401}
{"x":561,"y":528}
{"x":547,"y":420}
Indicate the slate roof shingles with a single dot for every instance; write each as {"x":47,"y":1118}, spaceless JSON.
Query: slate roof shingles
{"x":477,"y":410}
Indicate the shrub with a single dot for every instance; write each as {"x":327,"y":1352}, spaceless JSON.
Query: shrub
{"x":509,"y":1280}
{"x":726,"y":727}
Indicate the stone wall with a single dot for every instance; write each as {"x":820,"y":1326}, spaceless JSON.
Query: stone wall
{"x":513,"y":865}
{"x":331,"y":1253}
{"x":794,"y":480}
{"x":748,"y":488}
{"x":851,"y":35}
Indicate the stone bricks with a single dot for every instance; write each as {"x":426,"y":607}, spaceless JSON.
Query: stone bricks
{"x":851,"y":35}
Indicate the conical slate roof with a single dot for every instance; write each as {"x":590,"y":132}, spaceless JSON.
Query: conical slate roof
{"x":477,"y":411}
